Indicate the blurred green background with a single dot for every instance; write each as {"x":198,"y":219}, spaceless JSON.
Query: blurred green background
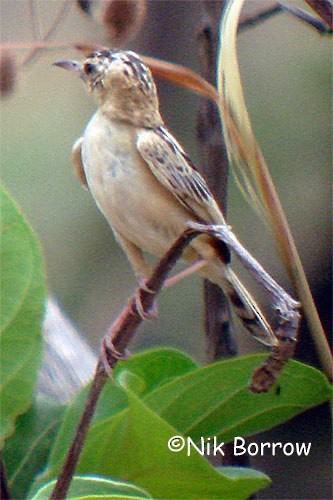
{"x":286,"y":71}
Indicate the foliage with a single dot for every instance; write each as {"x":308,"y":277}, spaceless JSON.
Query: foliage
{"x":22,"y":306}
{"x":148,"y":403}
{"x":154,"y":396}
{"x":90,"y":488}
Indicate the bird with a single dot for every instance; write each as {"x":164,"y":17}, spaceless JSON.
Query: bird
{"x":143,"y":181}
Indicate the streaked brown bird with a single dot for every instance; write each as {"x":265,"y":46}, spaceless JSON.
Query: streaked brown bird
{"x":142,"y":180}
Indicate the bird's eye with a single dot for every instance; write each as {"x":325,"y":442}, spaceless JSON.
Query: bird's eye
{"x":89,"y":68}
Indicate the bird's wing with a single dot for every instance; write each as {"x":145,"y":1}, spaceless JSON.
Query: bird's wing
{"x":77,"y":162}
{"x":174,"y":169}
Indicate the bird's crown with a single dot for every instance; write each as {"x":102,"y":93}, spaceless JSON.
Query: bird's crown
{"x":109,"y":66}
{"x":122,"y":85}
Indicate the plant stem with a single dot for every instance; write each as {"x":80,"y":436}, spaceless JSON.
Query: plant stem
{"x":119,"y":335}
{"x":242,"y":147}
{"x":215,"y":168}
{"x":66,"y":475}
{"x":219,"y":329}
{"x":4,"y":488}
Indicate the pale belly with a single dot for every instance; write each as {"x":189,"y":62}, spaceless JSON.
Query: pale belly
{"x":135,"y":204}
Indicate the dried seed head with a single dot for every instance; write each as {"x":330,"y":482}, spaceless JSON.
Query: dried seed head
{"x":122,"y":19}
{"x":8,"y":73}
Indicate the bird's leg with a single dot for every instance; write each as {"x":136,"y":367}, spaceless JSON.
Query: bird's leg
{"x":142,"y":272}
{"x":193,"y":268}
{"x":135,"y":256}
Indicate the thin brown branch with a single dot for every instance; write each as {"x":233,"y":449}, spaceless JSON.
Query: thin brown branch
{"x":324,"y":9}
{"x":123,"y":329}
{"x":61,"y":16}
{"x":115,"y":343}
{"x":266,"y":375}
{"x":321,"y":26}
{"x":261,"y":16}
{"x":66,"y":475}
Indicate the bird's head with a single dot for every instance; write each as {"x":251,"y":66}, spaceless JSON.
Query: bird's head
{"x":122,"y":84}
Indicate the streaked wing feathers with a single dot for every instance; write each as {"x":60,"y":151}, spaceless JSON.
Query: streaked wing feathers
{"x":174,"y":169}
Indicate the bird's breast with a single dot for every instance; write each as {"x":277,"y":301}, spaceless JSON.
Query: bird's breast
{"x":133,"y":201}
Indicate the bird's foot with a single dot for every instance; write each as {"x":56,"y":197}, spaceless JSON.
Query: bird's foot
{"x":109,"y":354}
{"x":152,"y":312}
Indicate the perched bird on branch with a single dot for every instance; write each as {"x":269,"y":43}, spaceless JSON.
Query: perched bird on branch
{"x":144,"y":183}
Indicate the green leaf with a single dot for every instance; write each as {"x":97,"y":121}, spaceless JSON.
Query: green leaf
{"x":155,"y":368}
{"x":142,"y":372}
{"x":215,"y":400}
{"x":132,"y":445}
{"x":240,"y":472}
{"x":112,"y":401}
{"x":22,"y":306}
{"x":27,"y":450}
{"x":128,"y":437}
{"x":90,"y":487}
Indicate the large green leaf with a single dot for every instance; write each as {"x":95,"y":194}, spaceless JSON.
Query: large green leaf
{"x":112,"y":401}
{"x":138,"y":450}
{"x":22,"y":306}
{"x":27,"y":450}
{"x":146,"y":370}
{"x":215,"y":400}
{"x":150,"y":369}
{"x":133,"y":446}
{"x":154,"y":368}
{"x":128,"y":437}
{"x":89,"y":488}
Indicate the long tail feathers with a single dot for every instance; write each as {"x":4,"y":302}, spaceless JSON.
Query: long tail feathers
{"x":247,"y":310}
{"x":244,"y":305}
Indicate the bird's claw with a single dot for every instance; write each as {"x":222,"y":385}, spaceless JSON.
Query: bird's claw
{"x":109,"y":353}
{"x":152,"y":313}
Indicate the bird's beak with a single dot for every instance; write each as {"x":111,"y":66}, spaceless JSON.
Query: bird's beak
{"x":73,"y":66}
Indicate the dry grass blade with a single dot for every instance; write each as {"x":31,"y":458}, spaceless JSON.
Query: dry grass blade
{"x":174,"y":73}
{"x":182,"y":76}
{"x":247,"y":159}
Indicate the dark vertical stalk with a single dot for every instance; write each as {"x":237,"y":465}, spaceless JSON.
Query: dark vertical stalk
{"x":220,"y":338}
{"x":218,"y":325}
{"x":4,"y":489}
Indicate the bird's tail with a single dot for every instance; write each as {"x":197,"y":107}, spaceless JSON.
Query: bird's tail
{"x":243,"y":304}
